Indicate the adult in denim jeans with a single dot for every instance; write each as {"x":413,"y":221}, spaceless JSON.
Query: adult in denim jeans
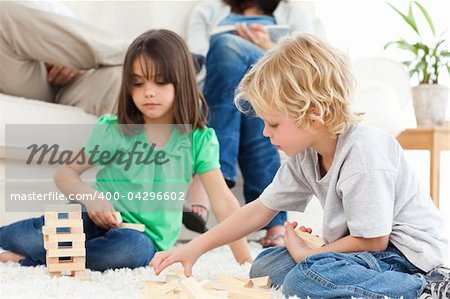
{"x":229,"y":56}
{"x":122,"y":247}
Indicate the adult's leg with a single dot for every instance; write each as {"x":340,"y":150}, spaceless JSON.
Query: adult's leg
{"x":360,"y":275}
{"x":58,"y":39}
{"x":259,"y":160}
{"x":227,"y":61}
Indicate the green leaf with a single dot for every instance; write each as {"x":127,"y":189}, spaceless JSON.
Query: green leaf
{"x":411,"y":22}
{"x":448,"y":69}
{"x":402,"y":44}
{"x":427,"y":16}
{"x":445,"y":53}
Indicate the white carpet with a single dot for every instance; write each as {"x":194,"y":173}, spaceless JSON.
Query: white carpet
{"x":33,"y":282}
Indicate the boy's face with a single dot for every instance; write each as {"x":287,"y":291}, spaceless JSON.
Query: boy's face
{"x":284,"y":133}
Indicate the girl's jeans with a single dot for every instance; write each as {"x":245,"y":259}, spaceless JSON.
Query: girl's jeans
{"x":105,"y":249}
{"x":341,"y":275}
{"x":240,"y":136}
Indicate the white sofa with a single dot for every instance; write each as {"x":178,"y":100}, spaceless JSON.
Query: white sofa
{"x":129,"y":20}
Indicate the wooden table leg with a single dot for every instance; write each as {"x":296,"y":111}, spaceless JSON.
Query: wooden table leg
{"x":435,"y":162}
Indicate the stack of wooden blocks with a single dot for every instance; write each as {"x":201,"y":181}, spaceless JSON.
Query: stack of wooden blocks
{"x":65,"y":251}
{"x":177,"y":286}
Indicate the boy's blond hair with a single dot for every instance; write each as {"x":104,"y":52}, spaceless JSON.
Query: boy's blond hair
{"x":304,"y":78}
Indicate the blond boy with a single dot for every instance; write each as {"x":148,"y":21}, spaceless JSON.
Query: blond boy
{"x":382,"y":231}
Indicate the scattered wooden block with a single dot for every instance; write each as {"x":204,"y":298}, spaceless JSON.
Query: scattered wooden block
{"x":135,"y":226}
{"x":194,"y":290}
{"x":260,"y":282}
{"x":310,"y":240}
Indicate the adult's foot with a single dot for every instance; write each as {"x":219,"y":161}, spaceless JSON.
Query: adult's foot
{"x":197,"y":206}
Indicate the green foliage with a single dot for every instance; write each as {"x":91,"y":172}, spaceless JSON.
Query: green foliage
{"x":429,"y":59}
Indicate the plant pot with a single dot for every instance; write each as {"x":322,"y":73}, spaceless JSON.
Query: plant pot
{"x":430,"y":104}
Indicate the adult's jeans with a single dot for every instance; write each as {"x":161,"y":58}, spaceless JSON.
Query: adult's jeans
{"x":105,"y":249}
{"x":240,"y":135}
{"x":341,"y":275}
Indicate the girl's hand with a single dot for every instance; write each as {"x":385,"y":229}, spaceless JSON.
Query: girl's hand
{"x":296,"y":247}
{"x":102,"y":213}
{"x":255,"y":33}
{"x":186,"y":255}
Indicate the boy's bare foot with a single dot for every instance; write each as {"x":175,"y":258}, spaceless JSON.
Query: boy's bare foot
{"x":274,"y":237}
{"x":9,"y":256}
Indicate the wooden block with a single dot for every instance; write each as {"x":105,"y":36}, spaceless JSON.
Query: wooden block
{"x":165,"y":288}
{"x":79,"y":259}
{"x":81,"y":275}
{"x":61,"y":252}
{"x":65,"y":208}
{"x":260,"y":282}
{"x":166,"y":296}
{"x":230,"y":281}
{"x":153,"y":284}
{"x":170,"y":277}
{"x":211,"y":285}
{"x":74,"y":215}
{"x":48,"y":230}
{"x":310,"y":240}
{"x":135,"y":226}
{"x":76,"y":230}
{"x":51,"y":260}
{"x":50,"y":215}
{"x":64,"y":223}
{"x":66,"y":267}
{"x":66,"y":237}
{"x":239,"y":293}
{"x":194,"y":290}
{"x":51,"y":245}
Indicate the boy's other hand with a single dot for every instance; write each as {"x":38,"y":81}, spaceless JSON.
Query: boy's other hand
{"x":296,"y":247}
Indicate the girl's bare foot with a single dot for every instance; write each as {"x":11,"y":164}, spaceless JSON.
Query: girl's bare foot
{"x":9,"y":256}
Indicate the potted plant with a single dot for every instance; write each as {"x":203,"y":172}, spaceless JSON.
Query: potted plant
{"x":428,"y":62}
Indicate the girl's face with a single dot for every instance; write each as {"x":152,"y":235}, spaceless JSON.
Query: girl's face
{"x":285,"y":134}
{"x":153,"y":97}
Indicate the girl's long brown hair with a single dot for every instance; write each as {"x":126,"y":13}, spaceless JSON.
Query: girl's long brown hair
{"x":173,"y":63}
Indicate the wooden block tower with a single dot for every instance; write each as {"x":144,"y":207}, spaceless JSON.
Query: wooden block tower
{"x":64,"y":241}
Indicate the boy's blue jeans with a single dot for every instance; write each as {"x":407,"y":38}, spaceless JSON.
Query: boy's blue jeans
{"x":105,"y":249}
{"x":240,"y":136}
{"x":341,"y":275}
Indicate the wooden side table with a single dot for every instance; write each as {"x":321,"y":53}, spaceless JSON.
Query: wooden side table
{"x":434,"y":139}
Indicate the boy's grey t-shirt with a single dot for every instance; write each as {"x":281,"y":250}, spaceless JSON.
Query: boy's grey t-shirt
{"x":369,"y":191}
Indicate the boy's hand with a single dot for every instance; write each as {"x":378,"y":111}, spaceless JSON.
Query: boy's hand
{"x":185,"y":254}
{"x":293,"y":243}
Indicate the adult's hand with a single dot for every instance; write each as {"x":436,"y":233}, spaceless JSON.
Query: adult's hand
{"x":255,"y":33}
{"x":60,"y":75}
